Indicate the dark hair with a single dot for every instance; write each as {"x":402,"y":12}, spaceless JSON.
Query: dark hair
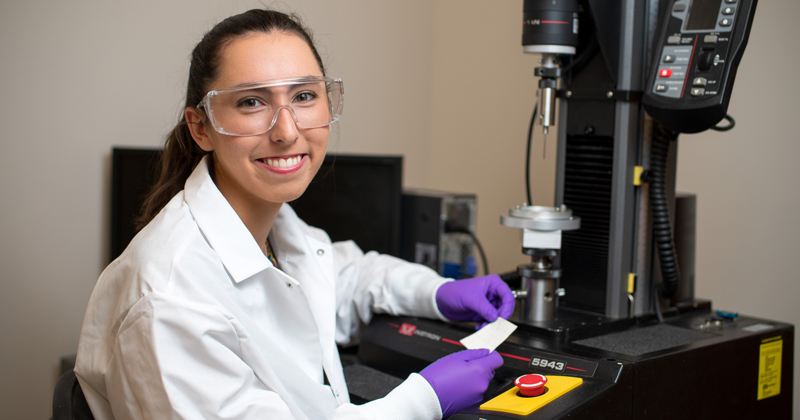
{"x":181,"y":154}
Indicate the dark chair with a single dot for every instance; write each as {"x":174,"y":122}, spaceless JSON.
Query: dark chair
{"x":68,"y":400}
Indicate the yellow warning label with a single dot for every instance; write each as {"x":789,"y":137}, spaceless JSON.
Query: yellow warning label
{"x":769,"y":369}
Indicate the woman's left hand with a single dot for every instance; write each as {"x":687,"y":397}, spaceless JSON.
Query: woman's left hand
{"x":480,"y":299}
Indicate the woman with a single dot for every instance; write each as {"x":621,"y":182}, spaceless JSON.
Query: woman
{"x":226,"y":305}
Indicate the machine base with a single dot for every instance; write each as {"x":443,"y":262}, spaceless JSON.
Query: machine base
{"x":688,"y":367}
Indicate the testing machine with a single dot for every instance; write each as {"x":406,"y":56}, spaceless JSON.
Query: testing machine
{"x":608,"y":324}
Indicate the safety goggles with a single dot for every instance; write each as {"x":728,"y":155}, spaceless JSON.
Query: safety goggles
{"x":253,"y":108}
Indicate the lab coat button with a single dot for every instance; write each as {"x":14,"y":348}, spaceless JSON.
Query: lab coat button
{"x":320,"y":252}
{"x":288,"y":284}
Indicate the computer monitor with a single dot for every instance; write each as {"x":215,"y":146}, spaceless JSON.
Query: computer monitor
{"x":358,"y":198}
{"x":133,"y":171}
{"x":351,"y":197}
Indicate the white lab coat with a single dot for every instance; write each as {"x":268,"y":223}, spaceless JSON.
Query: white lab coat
{"x":192,"y":321}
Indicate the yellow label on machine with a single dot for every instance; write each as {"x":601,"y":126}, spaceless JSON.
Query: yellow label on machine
{"x":637,"y":175}
{"x":769,"y":368}
{"x":631,"y":283}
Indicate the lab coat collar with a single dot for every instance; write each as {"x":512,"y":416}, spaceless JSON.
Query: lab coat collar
{"x":222,"y":227}
{"x":284,"y":229}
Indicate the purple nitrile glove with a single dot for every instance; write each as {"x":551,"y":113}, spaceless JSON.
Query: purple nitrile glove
{"x":460,"y":379}
{"x":478,"y":299}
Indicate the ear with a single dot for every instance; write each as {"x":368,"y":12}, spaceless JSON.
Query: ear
{"x":197,"y":126}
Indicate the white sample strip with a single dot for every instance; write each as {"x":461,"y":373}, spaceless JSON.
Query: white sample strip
{"x":490,"y":336}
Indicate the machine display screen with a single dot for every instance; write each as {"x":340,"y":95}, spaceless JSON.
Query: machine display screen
{"x":703,"y":15}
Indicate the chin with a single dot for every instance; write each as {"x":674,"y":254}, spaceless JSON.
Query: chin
{"x":287,"y":197}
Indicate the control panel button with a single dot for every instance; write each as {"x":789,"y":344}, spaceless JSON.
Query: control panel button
{"x":698,"y":91}
{"x":674,"y":40}
{"x":706,"y":60}
{"x":728,"y":11}
{"x":700,"y":81}
{"x":661,"y":88}
{"x":669,"y":58}
{"x":531,"y":385}
{"x":710,"y":39}
{"x":665,"y":73}
{"x":679,"y":8}
{"x":725,"y":22}
{"x":730,"y":1}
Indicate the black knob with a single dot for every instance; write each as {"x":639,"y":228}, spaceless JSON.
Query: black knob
{"x":706,"y":60}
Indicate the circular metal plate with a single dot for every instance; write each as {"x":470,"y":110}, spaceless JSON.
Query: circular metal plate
{"x":541,"y":218}
{"x":551,"y":49}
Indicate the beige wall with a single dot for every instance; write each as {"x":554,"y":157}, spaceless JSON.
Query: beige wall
{"x":443,"y":83}
{"x":78,"y":77}
{"x":481,"y":103}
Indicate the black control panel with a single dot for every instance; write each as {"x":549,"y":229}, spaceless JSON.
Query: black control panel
{"x":695,"y":61}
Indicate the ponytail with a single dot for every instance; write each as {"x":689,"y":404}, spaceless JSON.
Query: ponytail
{"x":178,"y":159}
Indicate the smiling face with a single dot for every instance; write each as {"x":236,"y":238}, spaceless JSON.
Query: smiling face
{"x":265,"y":170}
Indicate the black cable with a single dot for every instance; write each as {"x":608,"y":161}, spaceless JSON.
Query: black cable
{"x":480,"y":250}
{"x":585,"y":55}
{"x":662,"y":231}
{"x":528,"y":154}
{"x":731,"y":124}
{"x":450,"y":228}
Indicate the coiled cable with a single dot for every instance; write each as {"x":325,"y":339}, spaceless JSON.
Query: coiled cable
{"x":662,"y":230}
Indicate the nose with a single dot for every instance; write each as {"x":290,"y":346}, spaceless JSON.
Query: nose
{"x":284,"y":126}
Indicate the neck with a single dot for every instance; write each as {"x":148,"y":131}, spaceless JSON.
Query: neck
{"x":258,"y":220}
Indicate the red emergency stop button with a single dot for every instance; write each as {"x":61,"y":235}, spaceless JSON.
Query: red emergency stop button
{"x":531,"y":385}
{"x":665,"y":73}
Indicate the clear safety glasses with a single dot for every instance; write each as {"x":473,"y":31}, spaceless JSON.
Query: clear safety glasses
{"x":253,"y":108}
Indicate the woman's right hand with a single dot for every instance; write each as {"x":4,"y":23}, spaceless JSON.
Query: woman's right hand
{"x":460,"y":379}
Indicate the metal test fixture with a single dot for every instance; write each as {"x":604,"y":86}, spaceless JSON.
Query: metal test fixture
{"x":608,"y":324}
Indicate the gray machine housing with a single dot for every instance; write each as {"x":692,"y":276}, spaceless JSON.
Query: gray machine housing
{"x":433,"y":231}
{"x":604,"y":134}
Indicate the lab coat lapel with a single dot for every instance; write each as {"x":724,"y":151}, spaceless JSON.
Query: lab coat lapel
{"x":222,"y":227}
{"x":310,"y":260}
{"x":270,"y":363}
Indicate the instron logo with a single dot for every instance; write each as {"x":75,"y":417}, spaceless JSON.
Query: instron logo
{"x":407,"y":329}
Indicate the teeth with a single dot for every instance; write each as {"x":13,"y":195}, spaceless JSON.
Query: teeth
{"x":283,"y":163}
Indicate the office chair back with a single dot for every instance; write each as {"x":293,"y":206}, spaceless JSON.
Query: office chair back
{"x":68,"y":400}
